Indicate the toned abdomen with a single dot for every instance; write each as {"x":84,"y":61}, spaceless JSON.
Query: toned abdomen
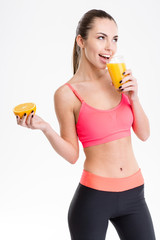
{"x":113,"y":159}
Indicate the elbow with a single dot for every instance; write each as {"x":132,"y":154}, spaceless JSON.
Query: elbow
{"x":73,"y":162}
{"x":145,"y":137}
{"x":73,"y":155}
{"x":74,"y":159}
{"x":142,"y":134}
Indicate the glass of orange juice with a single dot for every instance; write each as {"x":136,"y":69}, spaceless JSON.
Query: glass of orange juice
{"x":116,"y":67}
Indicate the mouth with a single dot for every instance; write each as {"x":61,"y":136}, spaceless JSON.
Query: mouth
{"x":105,"y":57}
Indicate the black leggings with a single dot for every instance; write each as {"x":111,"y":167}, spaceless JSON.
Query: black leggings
{"x":91,"y":209}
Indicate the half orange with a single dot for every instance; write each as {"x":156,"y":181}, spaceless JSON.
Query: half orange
{"x":24,"y":108}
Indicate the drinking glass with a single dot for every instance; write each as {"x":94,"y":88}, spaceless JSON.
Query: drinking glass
{"x":116,"y":67}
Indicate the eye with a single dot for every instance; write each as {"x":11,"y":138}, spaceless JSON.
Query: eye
{"x":101,"y":37}
{"x":116,"y":39}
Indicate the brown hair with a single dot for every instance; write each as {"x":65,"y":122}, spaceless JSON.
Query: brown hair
{"x":84,"y":25}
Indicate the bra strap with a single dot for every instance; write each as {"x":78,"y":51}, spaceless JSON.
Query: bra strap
{"x":74,"y":91}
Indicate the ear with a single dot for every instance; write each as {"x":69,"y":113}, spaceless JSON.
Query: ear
{"x":80,"y":41}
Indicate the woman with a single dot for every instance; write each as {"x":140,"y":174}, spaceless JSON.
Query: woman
{"x":89,"y":106}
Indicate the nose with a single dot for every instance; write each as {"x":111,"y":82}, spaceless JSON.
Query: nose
{"x":108,"y":44}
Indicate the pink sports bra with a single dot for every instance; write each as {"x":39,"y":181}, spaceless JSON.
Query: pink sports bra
{"x":95,"y":126}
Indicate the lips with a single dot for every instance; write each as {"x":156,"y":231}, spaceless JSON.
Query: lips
{"x":104,"y":59}
{"x":106,"y":56}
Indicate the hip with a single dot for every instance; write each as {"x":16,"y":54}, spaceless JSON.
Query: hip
{"x":101,"y":183}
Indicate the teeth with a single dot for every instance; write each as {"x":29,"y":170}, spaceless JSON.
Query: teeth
{"x":106,"y":56}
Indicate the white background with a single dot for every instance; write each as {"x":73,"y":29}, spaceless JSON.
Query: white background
{"x":36,"y":42}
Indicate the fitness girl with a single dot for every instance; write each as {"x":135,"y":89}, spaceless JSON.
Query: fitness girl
{"x":89,"y":107}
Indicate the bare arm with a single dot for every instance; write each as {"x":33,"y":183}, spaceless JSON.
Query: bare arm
{"x":141,"y":123}
{"x":65,"y":144}
{"x":64,"y":148}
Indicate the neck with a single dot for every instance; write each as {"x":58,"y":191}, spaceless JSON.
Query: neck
{"x":88,"y":72}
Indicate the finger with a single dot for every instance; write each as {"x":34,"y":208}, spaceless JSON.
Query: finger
{"x":28,"y":120}
{"x":23,"y":120}
{"x":17,"y":119}
{"x":127,"y":78}
{"x":127,"y":84}
{"x":127,"y":71}
{"x":32,"y":117}
{"x":133,"y":88}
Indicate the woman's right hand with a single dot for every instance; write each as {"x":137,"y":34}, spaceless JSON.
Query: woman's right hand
{"x":32,"y":121}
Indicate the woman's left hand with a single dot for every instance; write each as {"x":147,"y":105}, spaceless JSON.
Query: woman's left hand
{"x":129,"y":85}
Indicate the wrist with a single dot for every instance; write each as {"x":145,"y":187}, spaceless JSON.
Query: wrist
{"x":46,"y":127}
{"x":134,"y":100}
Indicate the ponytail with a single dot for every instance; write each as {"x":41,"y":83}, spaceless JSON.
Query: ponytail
{"x":76,"y":56}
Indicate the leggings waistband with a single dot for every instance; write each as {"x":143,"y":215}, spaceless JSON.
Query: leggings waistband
{"x":91,"y":180}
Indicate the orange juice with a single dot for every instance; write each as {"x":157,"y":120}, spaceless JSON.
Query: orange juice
{"x":115,"y":71}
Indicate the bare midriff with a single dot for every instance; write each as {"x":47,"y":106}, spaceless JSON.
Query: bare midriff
{"x":114,"y":159}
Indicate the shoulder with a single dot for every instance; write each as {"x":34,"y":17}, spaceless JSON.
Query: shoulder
{"x":63,"y":94}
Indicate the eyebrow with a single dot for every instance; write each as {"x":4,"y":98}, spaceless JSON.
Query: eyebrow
{"x":106,"y":34}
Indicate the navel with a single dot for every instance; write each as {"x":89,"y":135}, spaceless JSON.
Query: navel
{"x":121,"y":169}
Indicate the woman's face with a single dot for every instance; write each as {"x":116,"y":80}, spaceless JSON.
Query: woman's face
{"x":101,"y":43}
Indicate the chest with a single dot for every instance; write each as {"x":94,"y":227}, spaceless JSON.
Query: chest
{"x":97,"y":100}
